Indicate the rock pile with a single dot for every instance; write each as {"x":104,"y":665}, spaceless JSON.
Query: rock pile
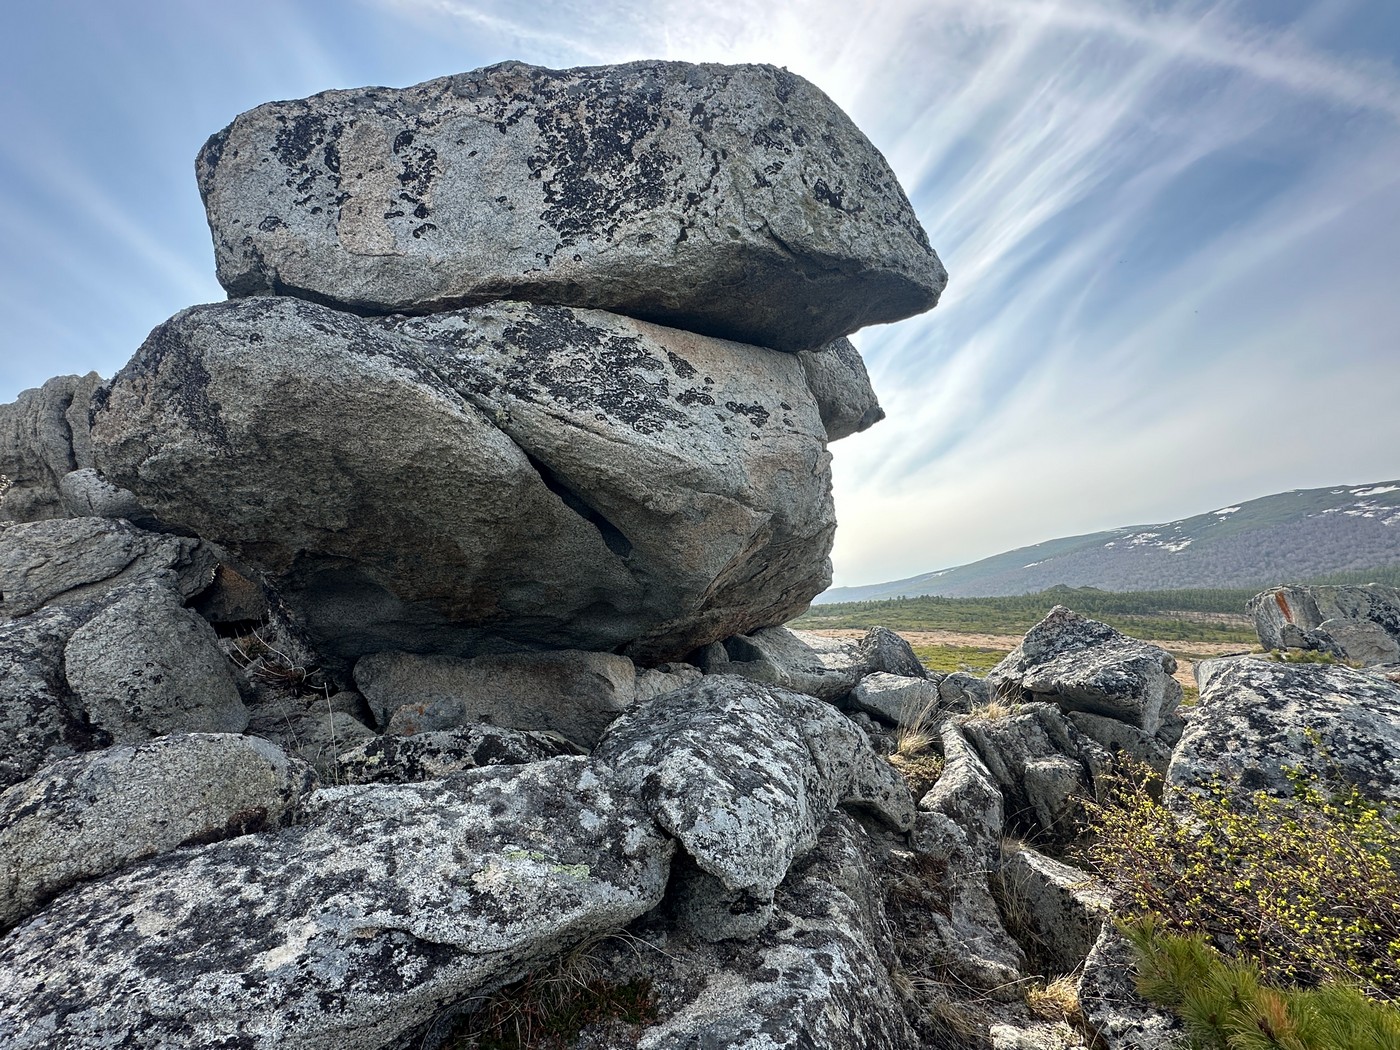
{"x":411,"y":622}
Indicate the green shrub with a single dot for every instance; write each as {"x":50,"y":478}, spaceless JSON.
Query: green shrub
{"x":1226,"y":1005}
{"x":1306,"y":888}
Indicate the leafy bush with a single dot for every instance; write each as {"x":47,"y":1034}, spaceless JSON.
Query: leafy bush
{"x":1226,"y":1005}
{"x":1306,"y":888}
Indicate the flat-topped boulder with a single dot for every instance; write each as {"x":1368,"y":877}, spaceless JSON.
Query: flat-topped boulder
{"x":1259,"y":718}
{"x":504,"y":477}
{"x":735,"y":201}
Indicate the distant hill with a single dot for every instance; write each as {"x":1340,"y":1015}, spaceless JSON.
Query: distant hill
{"x":1297,"y":535}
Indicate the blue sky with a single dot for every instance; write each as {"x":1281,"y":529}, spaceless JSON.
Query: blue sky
{"x":1172,"y":226}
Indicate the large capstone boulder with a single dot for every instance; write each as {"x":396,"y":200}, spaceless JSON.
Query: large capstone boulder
{"x":1081,"y":664}
{"x":1259,"y":718}
{"x":350,"y":931}
{"x":43,"y":436}
{"x":90,"y":814}
{"x":1360,"y":624}
{"x":507,"y":477}
{"x":736,"y":201}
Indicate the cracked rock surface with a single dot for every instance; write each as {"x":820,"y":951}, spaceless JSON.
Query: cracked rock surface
{"x":595,"y":482}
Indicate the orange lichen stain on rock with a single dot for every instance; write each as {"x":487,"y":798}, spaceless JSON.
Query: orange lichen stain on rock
{"x":1283,"y":606}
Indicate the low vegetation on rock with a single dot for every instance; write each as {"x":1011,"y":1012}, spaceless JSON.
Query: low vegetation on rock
{"x":1263,"y":921}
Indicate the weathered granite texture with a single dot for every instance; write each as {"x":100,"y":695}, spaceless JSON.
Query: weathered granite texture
{"x":596,"y":482}
{"x":735,"y":201}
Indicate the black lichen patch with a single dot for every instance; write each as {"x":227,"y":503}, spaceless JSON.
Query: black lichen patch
{"x":556,"y":358}
{"x":755,"y":414}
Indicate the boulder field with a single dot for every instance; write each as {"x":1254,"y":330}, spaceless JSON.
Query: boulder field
{"x":410,"y":625}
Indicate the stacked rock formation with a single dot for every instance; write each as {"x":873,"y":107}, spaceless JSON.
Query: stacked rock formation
{"x":526,"y":359}
{"x":339,"y":631}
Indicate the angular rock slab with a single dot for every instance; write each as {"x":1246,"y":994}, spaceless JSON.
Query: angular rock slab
{"x":342,"y":935}
{"x":827,"y":668}
{"x":1083,"y":665}
{"x":745,"y":776}
{"x":391,"y":759}
{"x":40,"y":719}
{"x":1061,"y":908}
{"x":1110,"y":1001}
{"x":735,"y":201}
{"x":837,"y":377}
{"x":76,"y":559}
{"x":509,"y":477}
{"x":1256,"y":717}
{"x":91,"y":814}
{"x":1354,"y":623}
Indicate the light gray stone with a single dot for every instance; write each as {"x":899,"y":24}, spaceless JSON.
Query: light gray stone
{"x":576,"y":694}
{"x":827,"y":668}
{"x":1038,"y":760}
{"x":144,"y":666}
{"x":87,"y":494}
{"x":391,"y":759}
{"x":967,"y":794}
{"x":820,"y":977}
{"x":1061,"y":909}
{"x":43,"y":436}
{"x":1083,"y":665}
{"x":963,"y":693}
{"x":968,"y":940}
{"x":1361,"y":624}
{"x":1050,"y":1035}
{"x":311,"y":729}
{"x":345,"y":933}
{"x":776,"y":221}
{"x":898,"y":700}
{"x":597,"y":482}
{"x":838,"y":380}
{"x":91,"y":814}
{"x":1257,"y":716}
{"x":1120,"y":738}
{"x":74,"y":560}
{"x":745,"y":776}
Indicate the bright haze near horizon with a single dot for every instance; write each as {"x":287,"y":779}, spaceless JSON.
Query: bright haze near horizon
{"x":1171,"y":226}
